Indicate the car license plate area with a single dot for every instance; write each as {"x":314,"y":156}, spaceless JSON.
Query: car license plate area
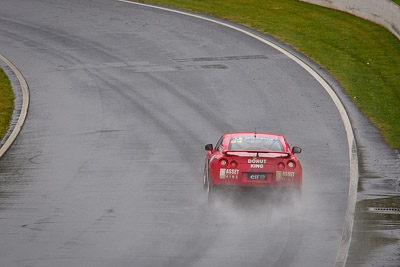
{"x":257,"y":177}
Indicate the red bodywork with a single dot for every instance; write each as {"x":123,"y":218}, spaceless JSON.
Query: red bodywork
{"x":252,"y":166}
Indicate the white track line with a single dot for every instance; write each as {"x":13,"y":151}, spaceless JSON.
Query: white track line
{"x":343,"y":250}
{"x":24,"y":109}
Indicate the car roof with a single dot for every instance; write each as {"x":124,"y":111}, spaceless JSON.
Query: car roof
{"x":252,"y":134}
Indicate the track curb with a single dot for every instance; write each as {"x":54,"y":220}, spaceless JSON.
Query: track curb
{"x":343,"y":250}
{"x":16,"y":129}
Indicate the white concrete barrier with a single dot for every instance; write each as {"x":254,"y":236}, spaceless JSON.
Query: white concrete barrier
{"x":382,"y":12}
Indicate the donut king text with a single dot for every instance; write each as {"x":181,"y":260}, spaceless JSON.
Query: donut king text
{"x":256,"y":163}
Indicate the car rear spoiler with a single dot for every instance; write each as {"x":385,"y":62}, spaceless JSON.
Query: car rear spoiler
{"x":258,"y":152}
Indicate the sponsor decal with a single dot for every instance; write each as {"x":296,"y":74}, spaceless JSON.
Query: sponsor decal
{"x":278,"y":176}
{"x":256,"y":160}
{"x":232,"y":171}
{"x":257,"y":176}
{"x":222,"y":173}
{"x":228,"y":174}
{"x":256,"y":163}
{"x":256,"y":166}
{"x":288,"y":174}
{"x":284,"y":176}
{"x":288,"y":179}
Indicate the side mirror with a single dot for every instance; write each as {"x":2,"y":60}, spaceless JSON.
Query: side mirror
{"x":209,"y":147}
{"x":296,"y":150}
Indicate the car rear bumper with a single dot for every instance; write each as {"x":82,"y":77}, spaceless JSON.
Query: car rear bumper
{"x":296,"y":182}
{"x":256,"y":189}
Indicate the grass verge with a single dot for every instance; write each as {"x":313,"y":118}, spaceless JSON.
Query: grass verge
{"x":361,"y":55}
{"x":6,"y":103}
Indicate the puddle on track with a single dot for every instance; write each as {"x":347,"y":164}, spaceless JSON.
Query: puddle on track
{"x":376,"y":232}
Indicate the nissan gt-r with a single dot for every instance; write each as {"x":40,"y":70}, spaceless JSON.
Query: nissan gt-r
{"x":252,"y":161}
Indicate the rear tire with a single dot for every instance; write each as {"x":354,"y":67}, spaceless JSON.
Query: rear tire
{"x":205,"y":180}
{"x":210,"y":193}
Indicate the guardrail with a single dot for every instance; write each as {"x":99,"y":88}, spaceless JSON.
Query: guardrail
{"x":382,"y":12}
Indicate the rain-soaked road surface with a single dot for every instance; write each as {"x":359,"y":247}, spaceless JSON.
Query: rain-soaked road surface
{"x":108,"y":168}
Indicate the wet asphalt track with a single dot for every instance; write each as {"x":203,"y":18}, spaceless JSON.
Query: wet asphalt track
{"x":107,"y":170}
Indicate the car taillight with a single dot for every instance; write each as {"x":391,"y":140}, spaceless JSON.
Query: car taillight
{"x":223,"y":162}
{"x":291,"y":164}
{"x":281,"y":165}
{"x":234,"y":164}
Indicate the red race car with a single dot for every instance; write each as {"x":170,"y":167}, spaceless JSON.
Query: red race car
{"x":252,"y":161}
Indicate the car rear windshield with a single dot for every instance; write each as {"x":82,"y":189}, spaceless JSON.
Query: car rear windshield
{"x":256,"y":143}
